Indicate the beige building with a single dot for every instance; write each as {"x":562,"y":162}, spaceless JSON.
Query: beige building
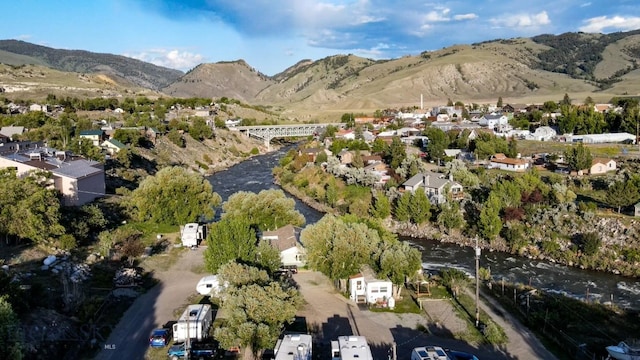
{"x":78,"y":180}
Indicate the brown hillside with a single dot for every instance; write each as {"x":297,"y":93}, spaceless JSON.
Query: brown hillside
{"x":235,"y":80}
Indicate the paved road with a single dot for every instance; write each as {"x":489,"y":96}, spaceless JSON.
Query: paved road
{"x":129,"y":340}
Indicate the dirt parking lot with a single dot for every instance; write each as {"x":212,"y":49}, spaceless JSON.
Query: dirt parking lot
{"x":328,"y":315}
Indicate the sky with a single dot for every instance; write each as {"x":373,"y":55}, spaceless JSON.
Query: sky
{"x":272,"y":35}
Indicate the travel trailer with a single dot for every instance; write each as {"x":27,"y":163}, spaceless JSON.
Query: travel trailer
{"x":191,"y":234}
{"x":194,"y":323}
{"x":294,"y":347}
{"x":429,"y":353}
{"x":351,"y":348}
{"x":210,"y":285}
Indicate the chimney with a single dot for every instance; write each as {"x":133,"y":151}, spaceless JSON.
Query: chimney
{"x":425,"y":180}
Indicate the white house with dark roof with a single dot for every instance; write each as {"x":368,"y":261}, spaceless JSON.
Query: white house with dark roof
{"x":493,"y":121}
{"x":96,"y":136}
{"x":78,"y":180}
{"x":435,"y":185}
{"x":112,"y":146}
{"x":365,"y":288}
{"x":502,"y":162}
{"x":287,"y":240}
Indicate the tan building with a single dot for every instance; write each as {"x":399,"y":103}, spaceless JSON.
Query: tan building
{"x":78,"y":180}
{"x":602,"y":166}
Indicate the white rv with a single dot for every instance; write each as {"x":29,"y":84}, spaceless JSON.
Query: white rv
{"x":351,"y":348}
{"x":294,"y":347}
{"x":210,"y":285}
{"x":429,"y":353}
{"x":191,"y":234}
{"x":194,"y":323}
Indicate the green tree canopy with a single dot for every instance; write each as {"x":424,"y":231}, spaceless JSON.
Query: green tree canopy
{"x":10,"y":341}
{"x":267,"y":210}
{"x":398,"y":262}
{"x":255,"y":316}
{"x":338,"y":249}
{"x":578,"y":157}
{"x":230,"y":239}
{"x":29,"y":209}
{"x":419,"y":207}
{"x":173,"y":196}
{"x":621,"y":194}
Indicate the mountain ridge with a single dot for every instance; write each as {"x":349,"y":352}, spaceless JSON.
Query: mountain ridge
{"x":536,"y":69}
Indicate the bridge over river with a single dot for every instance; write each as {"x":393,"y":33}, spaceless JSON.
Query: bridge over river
{"x":268,"y":132}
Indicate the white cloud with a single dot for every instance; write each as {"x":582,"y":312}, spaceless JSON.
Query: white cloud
{"x":435,"y":16}
{"x":469,"y":16}
{"x":174,"y":59}
{"x":598,"y":24}
{"x":585,"y":4}
{"x":522,"y":20}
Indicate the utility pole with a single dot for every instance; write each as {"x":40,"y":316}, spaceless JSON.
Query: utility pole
{"x":477,"y":250}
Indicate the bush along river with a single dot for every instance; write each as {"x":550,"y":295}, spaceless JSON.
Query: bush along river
{"x":255,"y":175}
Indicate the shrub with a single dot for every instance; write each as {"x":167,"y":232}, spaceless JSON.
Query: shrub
{"x":255,"y":151}
{"x":67,"y":242}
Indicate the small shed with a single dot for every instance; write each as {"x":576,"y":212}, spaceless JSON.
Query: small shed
{"x":365,"y":288}
{"x":636,"y":209}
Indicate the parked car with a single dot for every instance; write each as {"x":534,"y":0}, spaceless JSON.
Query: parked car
{"x":160,"y":338}
{"x":459,"y":355}
{"x":199,"y":350}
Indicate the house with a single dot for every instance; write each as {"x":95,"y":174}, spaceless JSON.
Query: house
{"x":78,"y":180}
{"x":365,"y":288}
{"x":435,"y":185}
{"x":312,"y":153}
{"x":380,"y":170}
{"x":96,"y":136}
{"x":346,"y":134}
{"x":502,"y":162}
{"x":112,"y":146}
{"x":11,"y":131}
{"x":345,"y":156}
{"x":287,"y":240}
{"x":38,"y":107}
{"x":152,"y":134}
{"x":636,"y":209}
{"x":602,"y":166}
{"x":493,"y":121}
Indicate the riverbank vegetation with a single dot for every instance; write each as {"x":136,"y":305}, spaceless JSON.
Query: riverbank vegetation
{"x":537,"y":214}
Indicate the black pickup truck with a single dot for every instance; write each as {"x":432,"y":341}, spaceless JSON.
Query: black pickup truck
{"x":198,"y":351}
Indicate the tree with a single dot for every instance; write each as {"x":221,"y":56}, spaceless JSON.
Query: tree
{"x":578,"y":157}
{"x":512,"y":148}
{"x":566,"y":100}
{"x":199,"y":130}
{"x":381,"y":208}
{"x":338,"y":249}
{"x":230,"y":239}
{"x":173,"y":196}
{"x":396,"y":153}
{"x":454,"y":280}
{"x":438,"y":142}
{"x":28,"y":208}
{"x":419,"y":207}
{"x":238,"y":275}
{"x":489,"y":222}
{"x":268,"y":257}
{"x":591,"y":243}
{"x":255,"y":316}
{"x":401,"y":209}
{"x":450,"y":216}
{"x":399,"y":262}
{"x":267,"y":210}
{"x":357,"y":161}
{"x":9,"y":331}
{"x":499,"y":103}
{"x":331,"y":192}
{"x":176,"y":138}
{"x":621,"y":194}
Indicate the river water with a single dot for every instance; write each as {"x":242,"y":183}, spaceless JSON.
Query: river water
{"x":255,"y":175}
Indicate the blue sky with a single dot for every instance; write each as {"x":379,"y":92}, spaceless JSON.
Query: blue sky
{"x":271,"y":35}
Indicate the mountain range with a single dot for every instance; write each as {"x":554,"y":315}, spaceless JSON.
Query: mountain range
{"x":531,"y":70}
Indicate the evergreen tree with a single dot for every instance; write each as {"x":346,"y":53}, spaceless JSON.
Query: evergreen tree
{"x":621,"y":194}
{"x":381,"y":206}
{"x":490,"y":223}
{"x":578,"y":157}
{"x":401,"y":209}
{"x":419,"y":207}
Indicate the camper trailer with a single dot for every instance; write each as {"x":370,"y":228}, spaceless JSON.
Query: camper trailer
{"x":351,"y":348}
{"x":429,"y":353}
{"x":210,"y":285}
{"x":191,"y":234}
{"x":194,"y":323}
{"x":294,"y":347}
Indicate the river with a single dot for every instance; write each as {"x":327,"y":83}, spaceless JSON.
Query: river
{"x":255,"y":175}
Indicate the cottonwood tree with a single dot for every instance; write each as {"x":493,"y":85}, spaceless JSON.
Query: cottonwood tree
{"x":230,"y":239}
{"x":28,"y":208}
{"x":255,"y":316}
{"x":238,"y":275}
{"x":173,"y":196}
{"x":267,"y":210}
{"x":455,"y":280}
{"x":339,"y":249}
{"x":398,"y":262}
